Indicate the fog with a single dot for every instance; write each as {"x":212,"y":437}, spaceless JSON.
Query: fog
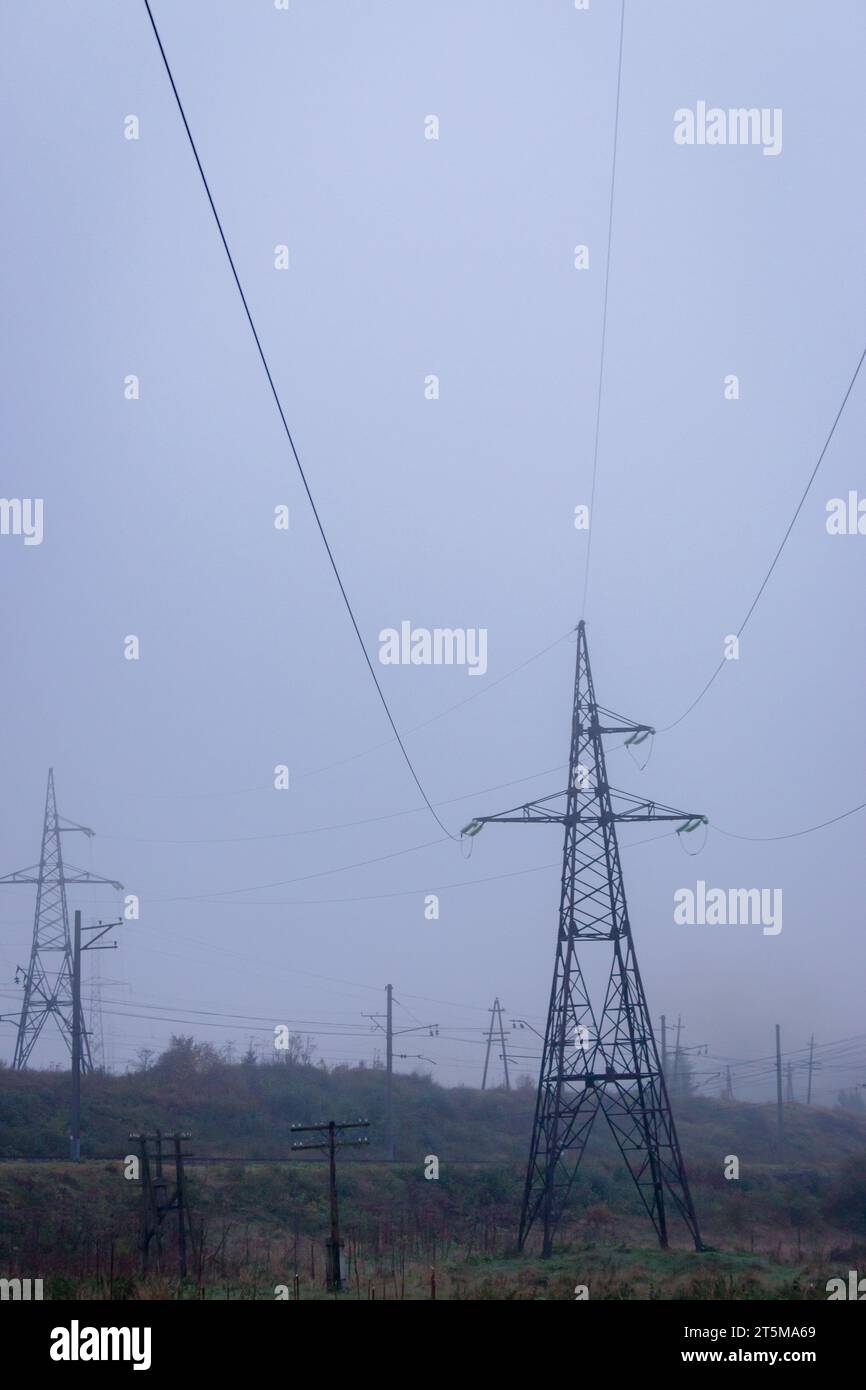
{"x":411,"y":257}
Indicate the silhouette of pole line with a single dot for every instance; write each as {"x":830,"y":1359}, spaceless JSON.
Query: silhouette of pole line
{"x":320,"y":525}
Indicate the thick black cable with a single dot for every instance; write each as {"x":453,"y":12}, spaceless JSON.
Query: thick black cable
{"x":288,"y":433}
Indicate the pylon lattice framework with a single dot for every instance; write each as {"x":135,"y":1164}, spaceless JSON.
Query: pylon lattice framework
{"x":48,"y":990}
{"x":589,"y":1064}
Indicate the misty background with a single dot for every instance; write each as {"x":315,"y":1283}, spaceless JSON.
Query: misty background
{"x":411,"y":257}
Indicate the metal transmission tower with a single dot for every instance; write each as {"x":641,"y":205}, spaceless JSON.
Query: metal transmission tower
{"x":610,"y":1063}
{"x":496,"y":1013}
{"x":48,"y":979}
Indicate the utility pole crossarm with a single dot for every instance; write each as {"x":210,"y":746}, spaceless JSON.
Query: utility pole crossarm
{"x":334,"y":1263}
{"x":351,"y":1124}
{"x":103,"y":928}
{"x":338,"y":1144}
{"x":327,"y":1126}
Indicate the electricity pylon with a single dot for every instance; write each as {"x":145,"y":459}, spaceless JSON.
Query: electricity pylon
{"x":48,"y":990}
{"x":496,"y":1013}
{"x":610,"y":1063}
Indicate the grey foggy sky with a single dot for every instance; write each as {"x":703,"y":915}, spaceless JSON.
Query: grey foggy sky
{"x":411,"y":257}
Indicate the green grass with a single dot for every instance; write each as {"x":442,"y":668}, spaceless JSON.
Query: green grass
{"x":795,"y":1217}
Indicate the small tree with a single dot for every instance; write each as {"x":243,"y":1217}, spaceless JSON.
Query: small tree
{"x":847,"y":1201}
{"x":851,"y":1100}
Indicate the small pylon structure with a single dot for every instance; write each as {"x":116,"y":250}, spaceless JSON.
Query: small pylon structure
{"x":48,"y":978}
{"x":497,"y":1026}
{"x":607,"y":1062}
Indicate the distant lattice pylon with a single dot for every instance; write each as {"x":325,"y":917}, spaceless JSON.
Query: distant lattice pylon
{"x":48,"y":978}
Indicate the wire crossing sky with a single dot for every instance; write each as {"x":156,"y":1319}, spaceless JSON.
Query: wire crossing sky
{"x":422,"y":208}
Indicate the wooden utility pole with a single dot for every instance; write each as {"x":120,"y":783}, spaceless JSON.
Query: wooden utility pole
{"x":811,"y":1059}
{"x":158,"y":1201}
{"x":181,"y":1203}
{"x":780,"y":1125}
{"x":789,"y":1093}
{"x":334,"y":1264}
{"x":75,"y":1133}
{"x":77,"y":1040}
{"x":389,"y":1071}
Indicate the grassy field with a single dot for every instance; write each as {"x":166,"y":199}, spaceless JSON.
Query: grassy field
{"x":255,"y":1227}
{"x":795,"y":1216}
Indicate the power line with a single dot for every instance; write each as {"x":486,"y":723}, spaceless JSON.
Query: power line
{"x":450,"y":801}
{"x":320,"y":829}
{"x":604,"y":316}
{"x":794,"y":834}
{"x":217,"y":898}
{"x":341,"y":762}
{"x":753,"y":605}
{"x":281,"y":883}
{"x":288,"y":434}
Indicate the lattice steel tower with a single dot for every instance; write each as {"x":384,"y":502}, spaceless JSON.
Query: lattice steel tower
{"x":608,"y":1063}
{"x":48,"y":978}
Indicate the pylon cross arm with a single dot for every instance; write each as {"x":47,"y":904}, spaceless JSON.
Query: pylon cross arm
{"x":84,"y":876}
{"x":542,"y":812}
{"x":22,"y":875}
{"x":620,"y":729}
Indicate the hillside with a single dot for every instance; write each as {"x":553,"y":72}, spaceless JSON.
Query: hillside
{"x":246,"y":1111}
{"x":778,"y":1227}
